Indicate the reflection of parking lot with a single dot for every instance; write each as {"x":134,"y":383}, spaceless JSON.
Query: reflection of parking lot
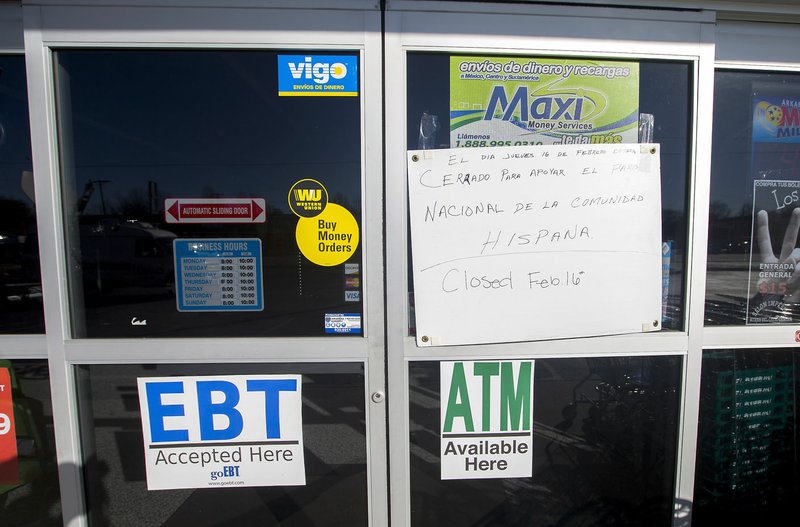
{"x":117,"y":253}
{"x":595,"y":421}
{"x":335,"y":454}
{"x":727,"y":275}
{"x":728,"y":286}
{"x":295,"y":304}
{"x":20,"y":284}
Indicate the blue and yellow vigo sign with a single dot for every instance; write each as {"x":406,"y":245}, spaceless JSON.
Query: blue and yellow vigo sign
{"x":317,"y":75}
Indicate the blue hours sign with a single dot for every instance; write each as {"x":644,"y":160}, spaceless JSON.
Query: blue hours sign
{"x":218,"y":275}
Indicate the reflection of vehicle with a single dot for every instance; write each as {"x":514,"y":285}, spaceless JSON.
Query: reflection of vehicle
{"x":19,"y":276}
{"x":116,"y":253}
{"x":737,"y":247}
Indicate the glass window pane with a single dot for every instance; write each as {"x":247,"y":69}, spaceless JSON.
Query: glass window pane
{"x":20,"y":282}
{"x":168,"y":158}
{"x":604,"y":449}
{"x":334,"y":439}
{"x":29,"y":490}
{"x":664,"y":92}
{"x":747,"y":450}
{"x":755,"y":177}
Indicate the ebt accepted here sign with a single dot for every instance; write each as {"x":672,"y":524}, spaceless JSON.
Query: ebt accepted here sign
{"x":487,"y":419}
{"x":243,"y":430}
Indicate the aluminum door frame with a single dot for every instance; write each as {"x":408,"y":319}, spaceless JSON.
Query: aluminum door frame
{"x":200,"y":24}
{"x":540,"y":30}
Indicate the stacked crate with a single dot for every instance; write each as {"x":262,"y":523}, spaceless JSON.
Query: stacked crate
{"x":748,"y":415}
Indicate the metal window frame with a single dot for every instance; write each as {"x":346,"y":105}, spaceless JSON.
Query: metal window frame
{"x":199,"y":24}
{"x":760,"y":48}
{"x":541,"y":30}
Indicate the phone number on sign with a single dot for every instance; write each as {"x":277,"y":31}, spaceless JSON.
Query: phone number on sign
{"x":495,"y":143}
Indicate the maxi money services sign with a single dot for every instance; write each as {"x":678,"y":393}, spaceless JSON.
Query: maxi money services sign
{"x":513,"y":101}
{"x":243,"y":430}
{"x":487,"y":419}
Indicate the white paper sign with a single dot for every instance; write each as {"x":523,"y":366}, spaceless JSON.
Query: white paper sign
{"x":487,"y":419}
{"x":523,"y":243}
{"x":231,"y":431}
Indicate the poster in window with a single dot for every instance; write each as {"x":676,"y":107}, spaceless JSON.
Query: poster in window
{"x":773,"y":289}
{"x":776,"y":133}
{"x":513,"y":101}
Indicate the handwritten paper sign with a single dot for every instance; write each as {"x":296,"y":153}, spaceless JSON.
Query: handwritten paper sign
{"x":526,"y":243}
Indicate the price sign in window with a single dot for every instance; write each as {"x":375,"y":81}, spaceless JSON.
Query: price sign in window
{"x":9,"y":470}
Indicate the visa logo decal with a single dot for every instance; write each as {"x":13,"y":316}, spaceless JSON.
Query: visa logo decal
{"x":352,"y":296}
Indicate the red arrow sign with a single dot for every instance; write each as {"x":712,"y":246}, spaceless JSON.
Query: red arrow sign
{"x":209,"y":210}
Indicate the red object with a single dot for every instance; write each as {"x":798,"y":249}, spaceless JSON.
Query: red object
{"x":9,"y":467}
{"x":233,"y":210}
{"x":797,"y":336}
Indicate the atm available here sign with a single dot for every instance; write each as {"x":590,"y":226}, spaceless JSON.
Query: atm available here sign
{"x":487,"y":419}
{"x":242,"y":430}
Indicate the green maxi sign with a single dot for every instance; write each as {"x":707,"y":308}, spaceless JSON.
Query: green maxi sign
{"x":505,"y":101}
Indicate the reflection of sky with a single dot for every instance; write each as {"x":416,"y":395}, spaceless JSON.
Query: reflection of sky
{"x":734,"y":161}
{"x":737,"y":161}
{"x":731,"y":180}
{"x":15,"y":136}
{"x":200,"y":124}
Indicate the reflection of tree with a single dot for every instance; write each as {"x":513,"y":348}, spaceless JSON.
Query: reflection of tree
{"x":134,"y":205}
{"x":210,"y":192}
{"x":344,"y":201}
{"x":729,"y":232}
{"x":15,"y":216}
{"x":746,"y":210}
{"x":719,"y":210}
{"x":673,"y":226}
